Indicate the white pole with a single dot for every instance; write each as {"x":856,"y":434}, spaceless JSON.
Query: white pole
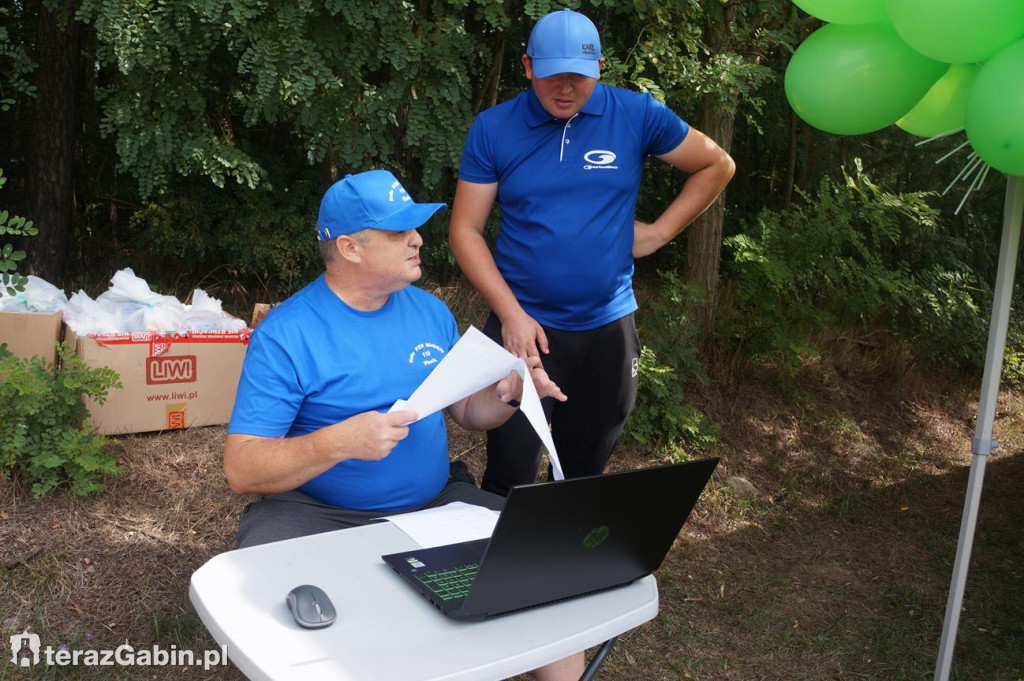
{"x":982,"y":445}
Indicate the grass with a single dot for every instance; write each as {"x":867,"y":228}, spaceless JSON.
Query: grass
{"x":838,"y":570}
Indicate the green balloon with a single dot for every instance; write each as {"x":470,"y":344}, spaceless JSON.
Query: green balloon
{"x":943,"y":108}
{"x":958,"y":31}
{"x":995,"y":111}
{"x":850,"y":80}
{"x":845,"y":11}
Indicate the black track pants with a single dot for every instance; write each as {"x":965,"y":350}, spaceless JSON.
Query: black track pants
{"x":597,"y":370}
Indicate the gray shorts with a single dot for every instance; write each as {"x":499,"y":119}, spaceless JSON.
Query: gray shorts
{"x":275,"y":517}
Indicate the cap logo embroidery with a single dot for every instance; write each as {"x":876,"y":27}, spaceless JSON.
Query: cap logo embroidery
{"x":401,"y":190}
{"x":588,"y":49}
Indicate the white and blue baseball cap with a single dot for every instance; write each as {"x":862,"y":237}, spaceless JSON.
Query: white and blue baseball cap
{"x":371,"y":200}
{"x":564,"y":42}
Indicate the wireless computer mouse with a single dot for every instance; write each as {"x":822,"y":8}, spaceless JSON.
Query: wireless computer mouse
{"x":310,"y":606}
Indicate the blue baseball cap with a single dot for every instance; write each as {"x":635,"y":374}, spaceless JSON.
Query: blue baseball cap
{"x":371,"y":200}
{"x":564,"y":42}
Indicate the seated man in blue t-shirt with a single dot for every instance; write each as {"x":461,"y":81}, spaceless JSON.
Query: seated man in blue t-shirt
{"x":310,"y":432}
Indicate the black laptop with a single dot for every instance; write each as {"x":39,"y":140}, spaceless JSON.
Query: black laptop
{"x":559,"y":540}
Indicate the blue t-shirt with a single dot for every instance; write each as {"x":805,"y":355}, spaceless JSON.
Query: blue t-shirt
{"x":567,"y":191}
{"x":315,"y":361}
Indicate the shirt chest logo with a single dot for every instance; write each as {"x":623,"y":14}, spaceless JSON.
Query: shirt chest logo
{"x":427,"y":354}
{"x":600,"y":159}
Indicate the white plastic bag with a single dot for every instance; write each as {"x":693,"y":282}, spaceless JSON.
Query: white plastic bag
{"x":84,"y":316}
{"x":39,"y":296}
{"x":206,"y":314}
{"x":137,"y":308}
{"x":130,"y":306}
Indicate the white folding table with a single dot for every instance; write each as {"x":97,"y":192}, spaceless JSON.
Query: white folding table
{"x":385,"y":630}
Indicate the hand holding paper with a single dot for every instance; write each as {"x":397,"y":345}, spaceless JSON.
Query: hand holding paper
{"x":372,"y":435}
{"x":510,"y":388}
{"x":472,"y":364}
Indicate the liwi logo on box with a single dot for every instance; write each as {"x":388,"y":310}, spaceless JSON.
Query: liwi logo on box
{"x":180,"y":369}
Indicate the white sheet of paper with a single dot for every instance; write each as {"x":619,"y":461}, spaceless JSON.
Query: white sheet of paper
{"x":448,"y":524}
{"x":531,"y":407}
{"x":472,"y":364}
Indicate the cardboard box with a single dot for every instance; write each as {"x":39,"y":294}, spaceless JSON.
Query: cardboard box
{"x":259,"y":311}
{"x":31,"y":333}
{"x":169,"y":380}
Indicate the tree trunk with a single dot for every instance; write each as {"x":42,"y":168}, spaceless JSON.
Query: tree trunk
{"x":704,"y":236}
{"x":50,"y":183}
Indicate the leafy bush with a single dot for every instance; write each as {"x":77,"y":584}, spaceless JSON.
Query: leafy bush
{"x":662,"y":415}
{"x":1013,"y":353}
{"x":666,"y":325}
{"x":43,"y":439}
{"x":854,"y":257}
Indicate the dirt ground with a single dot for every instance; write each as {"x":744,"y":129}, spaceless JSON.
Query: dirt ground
{"x":837,"y":568}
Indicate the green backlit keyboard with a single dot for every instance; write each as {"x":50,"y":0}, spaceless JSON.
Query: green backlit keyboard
{"x":449,"y":584}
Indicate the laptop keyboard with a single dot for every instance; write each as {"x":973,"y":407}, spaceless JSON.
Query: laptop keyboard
{"x":449,"y":585}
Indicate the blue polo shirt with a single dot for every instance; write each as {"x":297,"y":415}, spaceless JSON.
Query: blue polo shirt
{"x":567,"y":190}
{"x":315,"y":361}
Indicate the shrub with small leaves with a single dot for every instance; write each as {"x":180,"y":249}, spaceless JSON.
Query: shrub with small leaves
{"x":44,"y":441}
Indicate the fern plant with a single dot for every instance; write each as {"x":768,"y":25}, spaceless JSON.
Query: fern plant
{"x":854,"y":256}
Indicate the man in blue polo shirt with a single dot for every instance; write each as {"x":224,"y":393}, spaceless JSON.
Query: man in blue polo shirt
{"x":563,"y":161}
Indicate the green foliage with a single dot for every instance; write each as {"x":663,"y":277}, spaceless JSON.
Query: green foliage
{"x":178,"y":234}
{"x":662,"y":415}
{"x":853,"y":257}
{"x":709,"y":53}
{"x":228,"y":119}
{"x":666,"y":322}
{"x":43,"y":439}
{"x":12,"y":225}
{"x":1013,"y":353}
{"x":196,"y":79}
{"x":15,"y":64}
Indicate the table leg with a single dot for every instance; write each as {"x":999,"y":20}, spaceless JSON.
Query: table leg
{"x":595,"y":664}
